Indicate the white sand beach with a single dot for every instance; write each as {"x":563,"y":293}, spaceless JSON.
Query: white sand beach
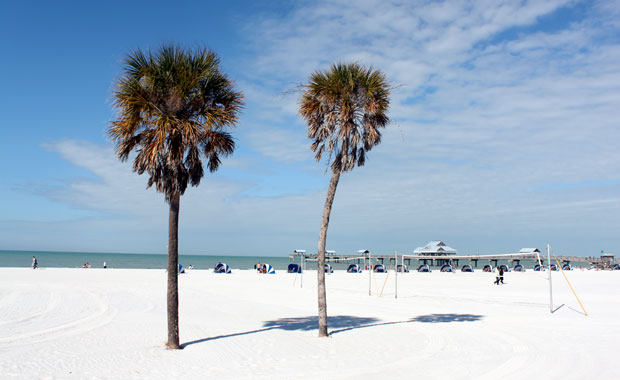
{"x":111,"y":324}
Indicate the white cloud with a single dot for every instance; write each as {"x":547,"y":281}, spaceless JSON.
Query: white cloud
{"x":493,"y":117}
{"x":483,"y":122}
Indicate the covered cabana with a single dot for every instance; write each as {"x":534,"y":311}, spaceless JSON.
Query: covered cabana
{"x":266,"y":269}
{"x":446,"y":268}
{"x":354,"y":268}
{"x":221,"y":268}
{"x":402,"y":268}
{"x":424,"y":268}
{"x":294,"y":268}
{"x":379,"y":268}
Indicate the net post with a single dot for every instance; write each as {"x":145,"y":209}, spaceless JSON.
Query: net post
{"x":550,"y":285}
{"x":369,"y":273}
{"x":396,"y":274}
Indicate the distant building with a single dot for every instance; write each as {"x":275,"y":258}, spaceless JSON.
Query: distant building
{"x":435,"y":248}
{"x":607,"y":259}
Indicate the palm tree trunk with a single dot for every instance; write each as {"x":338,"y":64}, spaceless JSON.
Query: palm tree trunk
{"x":322,"y":297}
{"x":173,"y":269}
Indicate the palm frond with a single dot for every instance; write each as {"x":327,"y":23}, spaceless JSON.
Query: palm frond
{"x":174,"y":108}
{"x":344,"y":108}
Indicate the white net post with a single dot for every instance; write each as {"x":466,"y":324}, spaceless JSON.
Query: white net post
{"x":396,"y":274}
{"x":369,"y":273}
{"x":550,"y":285}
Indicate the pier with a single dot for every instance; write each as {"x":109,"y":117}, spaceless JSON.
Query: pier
{"x":439,"y":260}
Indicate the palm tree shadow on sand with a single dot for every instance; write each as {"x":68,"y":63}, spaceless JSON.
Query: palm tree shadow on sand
{"x":430,"y":318}
{"x":340,"y":324}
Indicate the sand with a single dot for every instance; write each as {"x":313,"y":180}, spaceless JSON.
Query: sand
{"x":111,"y":324}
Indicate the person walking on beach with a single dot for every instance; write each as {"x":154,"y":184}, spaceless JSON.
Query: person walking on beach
{"x":500,"y":276}
{"x":105,"y":265}
{"x":35,"y":263}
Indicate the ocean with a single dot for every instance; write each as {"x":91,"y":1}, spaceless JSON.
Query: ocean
{"x":48,"y":259}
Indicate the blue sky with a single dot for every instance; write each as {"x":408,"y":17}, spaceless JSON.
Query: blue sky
{"x":505,"y":127}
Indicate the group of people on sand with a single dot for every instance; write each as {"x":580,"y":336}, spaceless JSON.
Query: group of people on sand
{"x":87,"y":265}
{"x":35,"y":264}
{"x":260,"y":268}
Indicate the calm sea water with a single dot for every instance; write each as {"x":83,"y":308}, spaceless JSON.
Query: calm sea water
{"x":129,"y":260}
{"x":151,"y":261}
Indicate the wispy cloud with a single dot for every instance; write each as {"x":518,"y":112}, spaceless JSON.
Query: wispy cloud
{"x":494,"y":100}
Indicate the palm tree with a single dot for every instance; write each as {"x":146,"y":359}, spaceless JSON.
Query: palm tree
{"x":344,"y":108}
{"x":174,"y":108}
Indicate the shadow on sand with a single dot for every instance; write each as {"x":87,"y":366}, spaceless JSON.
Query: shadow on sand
{"x":340,"y":323}
{"x":568,"y":307}
{"x":430,"y":318}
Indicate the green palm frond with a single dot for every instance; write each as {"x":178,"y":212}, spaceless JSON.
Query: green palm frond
{"x":344,"y":108}
{"x":174,"y":107}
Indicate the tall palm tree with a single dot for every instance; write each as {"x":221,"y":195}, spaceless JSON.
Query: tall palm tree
{"x":174,"y":109}
{"x":344,"y":108}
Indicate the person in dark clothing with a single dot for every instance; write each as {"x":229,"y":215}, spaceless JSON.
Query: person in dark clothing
{"x":500,"y":276}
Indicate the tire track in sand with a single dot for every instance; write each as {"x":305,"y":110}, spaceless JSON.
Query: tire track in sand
{"x":102,"y":315}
